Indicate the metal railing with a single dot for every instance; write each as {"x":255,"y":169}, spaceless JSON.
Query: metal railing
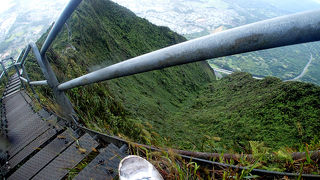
{"x":282,"y":31}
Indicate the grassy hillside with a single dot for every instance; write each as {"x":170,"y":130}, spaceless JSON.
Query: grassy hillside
{"x":230,"y":113}
{"x":103,"y":33}
{"x":182,"y":107}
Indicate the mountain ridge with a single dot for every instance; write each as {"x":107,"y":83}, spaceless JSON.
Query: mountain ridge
{"x":162,"y":106}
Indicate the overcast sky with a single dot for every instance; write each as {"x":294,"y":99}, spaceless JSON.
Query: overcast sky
{"x":6,"y":4}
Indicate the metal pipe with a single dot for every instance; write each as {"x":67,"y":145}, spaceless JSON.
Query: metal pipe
{"x":61,"y":98}
{"x":282,"y":31}
{"x":4,"y":69}
{"x":19,"y":75}
{"x":20,"y":56}
{"x":68,"y":10}
{"x":25,"y":54}
{"x":39,"y":83}
{"x":1,"y":74}
{"x":28,"y":80}
{"x":24,"y":79}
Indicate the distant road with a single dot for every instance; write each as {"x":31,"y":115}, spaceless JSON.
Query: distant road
{"x":304,"y":70}
{"x":224,"y":71}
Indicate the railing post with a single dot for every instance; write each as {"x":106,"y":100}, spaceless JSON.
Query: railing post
{"x":66,"y":107}
{"x":62,"y":100}
{"x":31,"y":87}
{"x":12,"y":60}
{"x":4,"y":69}
{"x":19,"y":75}
{"x":25,"y":54}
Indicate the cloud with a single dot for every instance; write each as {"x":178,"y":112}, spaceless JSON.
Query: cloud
{"x":5,"y":5}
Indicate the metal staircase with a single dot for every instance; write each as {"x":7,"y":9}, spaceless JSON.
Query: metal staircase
{"x":42,"y":148}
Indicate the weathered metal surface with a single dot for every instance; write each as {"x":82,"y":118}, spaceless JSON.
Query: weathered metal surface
{"x":14,"y":86}
{"x":281,"y":31}
{"x":104,"y":166}
{"x":44,"y":114}
{"x":16,"y":81}
{"x":60,"y":166}
{"x":12,"y":89}
{"x":28,"y":79}
{"x":4,"y":69}
{"x":7,"y":95}
{"x":32,"y":147}
{"x":39,"y":83}
{"x":61,"y":99}
{"x":43,"y":157}
{"x":1,"y":74}
{"x":24,"y":79}
{"x":22,"y":137}
{"x":23,"y":124}
{"x":26,"y":97}
{"x":25,"y":55}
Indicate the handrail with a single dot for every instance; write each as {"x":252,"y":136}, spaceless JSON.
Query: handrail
{"x":72,"y":5}
{"x":1,"y":74}
{"x":39,"y":83}
{"x":25,"y":55}
{"x":24,"y":79}
{"x":21,"y":53}
{"x":282,"y":31}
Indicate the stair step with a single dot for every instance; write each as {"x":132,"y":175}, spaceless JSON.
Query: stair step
{"x":60,"y":166}
{"x":104,"y":166}
{"x":44,"y":114}
{"x":7,"y":95}
{"x":32,"y":147}
{"x":44,"y":156}
{"x":26,"y":96}
{"x":15,"y":86}
{"x":17,"y":81}
{"x":24,"y":137}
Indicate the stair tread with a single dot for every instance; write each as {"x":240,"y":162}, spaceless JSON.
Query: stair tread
{"x":67,"y":160}
{"x":32,"y":147}
{"x":104,"y":166}
{"x":44,"y":156}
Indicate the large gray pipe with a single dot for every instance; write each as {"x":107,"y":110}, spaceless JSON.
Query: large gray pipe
{"x":281,"y":31}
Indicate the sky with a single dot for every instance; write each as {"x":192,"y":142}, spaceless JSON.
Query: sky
{"x":6,"y":4}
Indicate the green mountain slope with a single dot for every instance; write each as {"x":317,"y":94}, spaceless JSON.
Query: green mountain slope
{"x":103,"y":33}
{"x":229,"y":113}
{"x":182,"y":107}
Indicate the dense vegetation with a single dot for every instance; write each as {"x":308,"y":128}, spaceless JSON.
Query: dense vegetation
{"x":182,"y":107}
{"x":121,"y":106}
{"x":229,"y":113}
